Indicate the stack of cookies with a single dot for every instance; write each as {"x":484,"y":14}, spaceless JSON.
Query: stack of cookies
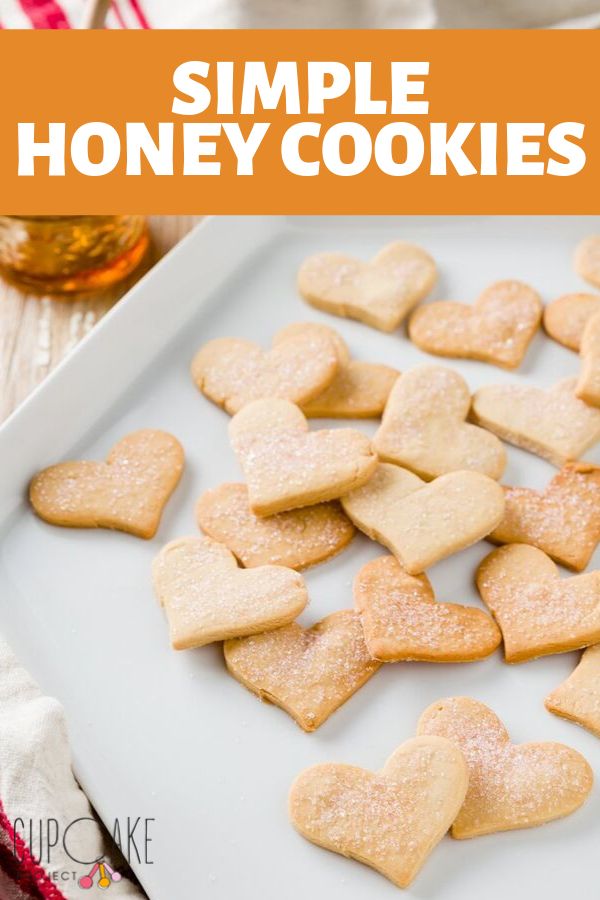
{"x":424,"y":486}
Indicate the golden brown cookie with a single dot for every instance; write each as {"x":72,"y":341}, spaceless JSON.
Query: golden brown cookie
{"x":308,"y":672}
{"x":128,"y":492}
{"x":207,"y":598}
{"x":587,"y":259}
{"x":566,"y":317}
{"x":298,"y":538}
{"x":588,"y":384}
{"x":401,"y":619}
{"x":390,"y":820}
{"x":379,"y":293}
{"x":538,"y":611}
{"x":497,"y":329}
{"x":359,"y":389}
{"x":510,"y":785}
{"x":552,"y":423}
{"x":422,"y":522}
{"x":286,"y":466}
{"x":232,"y":372}
{"x":424,"y":428}
{"x":578,"y":698}
{"x":563,"y":520}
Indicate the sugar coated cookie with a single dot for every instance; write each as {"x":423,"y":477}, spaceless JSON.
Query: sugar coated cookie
{"x":232,"y":372}
{"x":563,"y":520}
{"x":424,"y":429}
{"x":207,"y":598}
{"x":379,"y":293}
{"x":298,"y":538}
{"x":553,"y":423}
{"x":510,"y":785}
{"x":315,"y":328}
{"x":588,"y":384}
{"x":390,"y":820}
{"x":497,"y":329}
{"x":127,"y":492}
{"x":308,"y":672}
{"x":587,"y":259}
{"x":566,"y":317}
{"x":422,"y":523}
{"x":286,"y":466}
{"x":359,"y":389}
{"x":538,"y":611}
{"x":401,"y":619}
{"x":578,"y":698}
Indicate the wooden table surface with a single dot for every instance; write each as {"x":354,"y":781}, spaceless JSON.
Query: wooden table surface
{"x":37,"y":332}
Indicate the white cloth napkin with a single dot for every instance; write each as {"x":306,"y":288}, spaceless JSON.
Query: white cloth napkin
{"x":310,"y":13}
{"x":37,"y":784}
{"x":372,"y":13}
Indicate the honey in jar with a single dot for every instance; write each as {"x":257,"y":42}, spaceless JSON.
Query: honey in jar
{"x":69,"y":254}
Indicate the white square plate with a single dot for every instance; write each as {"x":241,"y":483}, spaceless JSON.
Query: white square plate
{"x":171,"y":735}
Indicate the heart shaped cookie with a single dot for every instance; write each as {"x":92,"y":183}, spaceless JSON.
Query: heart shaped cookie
{"x":390,"y":820}
{"x":578,"y":698}
{"x":510,"y":785}
{"x":553,"y":423}
{"x":587,"y":259}
{"x":298,"y":538}
{"x":538,"y":611}
{"x":563,"y":520}
{"x":308,"y":672}
{"x":316,"y":328}
{"x":497,"y":329}
{"x":359,"y":389}
{"x":565,"y":318}
{"x":127,"y":492}
{"x":207,"y":598}
{"x":379,"y":293}
{"x":232,"y":372}
{"x":424,"y":429}
{"x":588,"y":384}
{"x":286,"y":466}
{"x":422,"y":523}
{"x":402,"y":620}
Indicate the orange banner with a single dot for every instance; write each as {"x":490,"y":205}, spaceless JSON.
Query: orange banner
{"x":299,"y":122}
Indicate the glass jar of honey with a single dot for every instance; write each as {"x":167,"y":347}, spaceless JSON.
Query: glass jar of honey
{"x":68,"y":254}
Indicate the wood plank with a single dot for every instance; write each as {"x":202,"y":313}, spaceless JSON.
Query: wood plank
{"x":36,"y":333}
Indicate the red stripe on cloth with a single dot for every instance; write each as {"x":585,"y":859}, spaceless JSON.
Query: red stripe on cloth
{"x":115,"y":8}
{"x":137,"y":9}
{"x":45,"y":14}
{"x":22,"y":869}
